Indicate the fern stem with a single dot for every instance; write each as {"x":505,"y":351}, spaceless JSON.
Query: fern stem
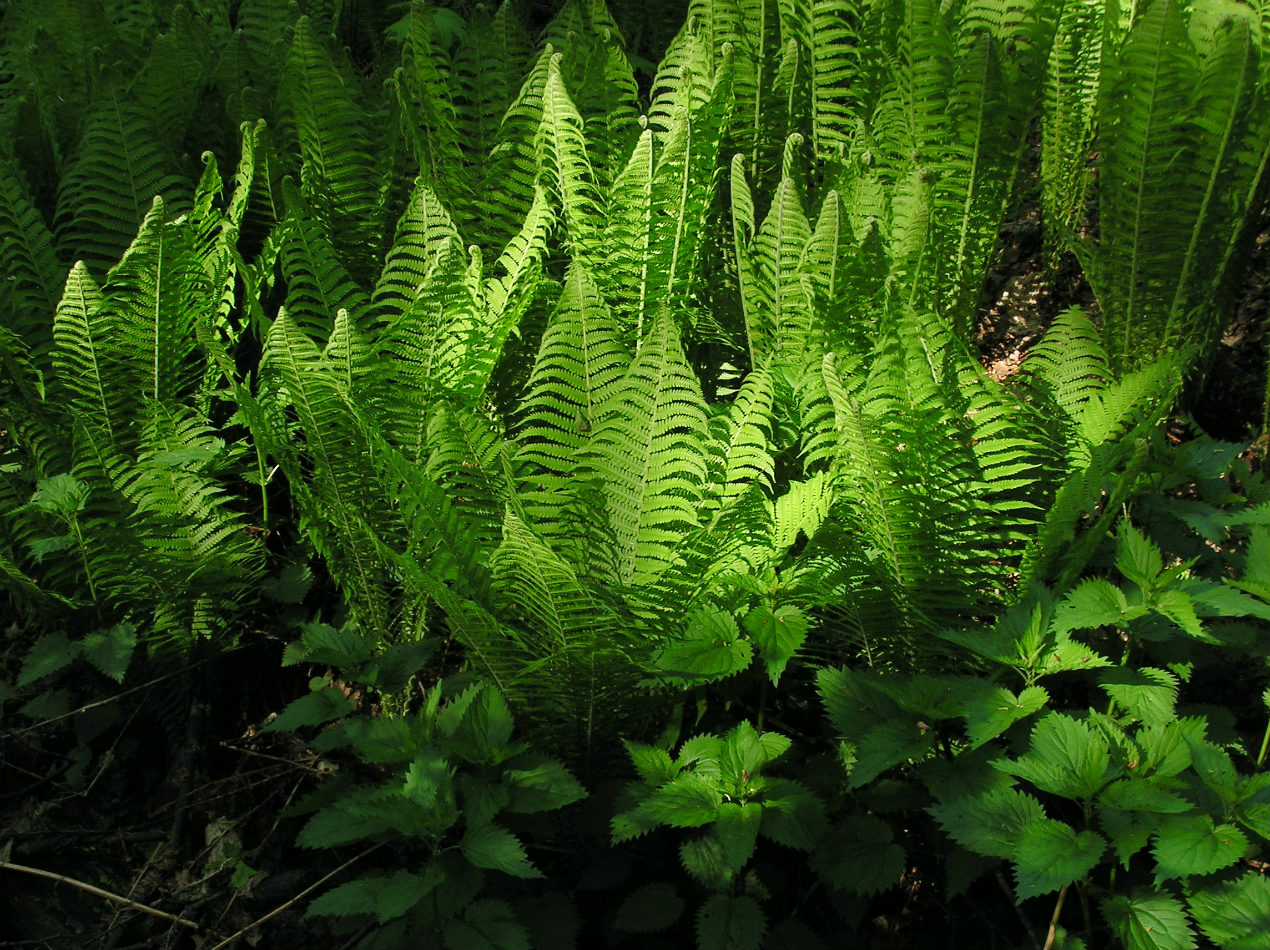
{"x":83,"y":556}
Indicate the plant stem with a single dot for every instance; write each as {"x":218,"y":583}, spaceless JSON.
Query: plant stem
{"x":1058,"y":909}
{"x":1265,"y":741}
{"x":97,"y":891}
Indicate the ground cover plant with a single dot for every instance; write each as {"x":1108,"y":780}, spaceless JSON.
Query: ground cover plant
{"x":526,"y":475}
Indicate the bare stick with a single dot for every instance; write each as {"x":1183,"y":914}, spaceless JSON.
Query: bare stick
{"x":1018,"y":910}
{"x":299,"y":897}
{"x":1058,"y":909}
{"x":62,"y":878}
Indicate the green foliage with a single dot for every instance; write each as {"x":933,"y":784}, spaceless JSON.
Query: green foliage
{"x":660,"y":400}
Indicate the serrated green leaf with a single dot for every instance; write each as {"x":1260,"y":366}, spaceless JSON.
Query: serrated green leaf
{"x":1234,"y":915}
{"x":111,"y":649}
{"x":1068,"y":655}
{"x":495,"y":848}
{"x":334,"y":826}
{"x":1178,"y":606}
{"x":888,"y":744}
{"x":991,"y":824}
{"x":730,"y":923}
{"x":990,"y":710}
{"x":703,"y":859}
{"x":315,"y":709}
{"x":711,"y":648}
{"x":1143,"y":794}
{"x":737,"y":827}
{"x":1147,"y":921}
{"x":479,"y":725}
{"x":391,"y":670}
{"x":1051,"y":855}
{"x":1065,"y":758}
{"x":385,"y":897}
{"x":48,"y":655}
{"x":1093,"y":603}
{"x":650,"y":909}
{"x":486,"y":924}
{"x":1129,"y":831}
{"x":860,"y":856}
{"x":1192,"y":844}
{"x":322,"y":643}
{"x":1147,"y":694}
{"x":779,"y":633}
{"x":540,"y":784}
{"x":1137,"y":558}
{"x":793,"y":815}
{"x":291,"y":585}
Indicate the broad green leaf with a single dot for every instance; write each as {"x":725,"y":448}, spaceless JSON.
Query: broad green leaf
{"x":1178,"y":607}
{"x":779,"y":633}
{"x":712,"y":648}
{"x":1234,"y":915}
{"x":541,"y":784}
{"x":704,"y":860}
{"x":736,"y":827}
{"x":495,"y":848}
{"x":730,"y":923}
{"x":486,"y":924}
{"x":1051,"y":855}
{"x":322,"y":643}
{"x":1147,"y":921}
{"x":1129,"y":831}
{"x":1094,"y":603}
{"x":1143,"y":794}
{"x":1137,"y":558}
{"x":888,"y":744}
{"x":111,"y":649}
{"x":1192,"y":844}
{"x":48,"y":655}
{"x":793,"y":815}
{"x":860,"y":856}
{"x":322,"y":706}
{"x":1147,"y":694}
{"x":649,"y":909}
{"x":384,"y":897}
{"x":1066,"y":758}
{"x":654,"y":765}
{"x":745,"y":752}
{"x":484,"y":727}
{"x":992,"y":824}
{"x":991,"y":710}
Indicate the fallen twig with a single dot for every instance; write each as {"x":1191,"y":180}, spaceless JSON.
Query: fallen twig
{"x":62,"y":878}
{"x":299,"y":897}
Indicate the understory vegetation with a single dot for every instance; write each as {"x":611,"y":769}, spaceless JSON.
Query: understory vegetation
{"x":551,"y":475}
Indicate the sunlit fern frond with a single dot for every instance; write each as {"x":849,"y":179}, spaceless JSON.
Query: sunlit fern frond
{"x":565,"y":172}
{"x":425,"y":236}
{"x":649,"y":447}
{"x":742,"y":442}
{"x":580,"y":676}
{"x":328,"y":465}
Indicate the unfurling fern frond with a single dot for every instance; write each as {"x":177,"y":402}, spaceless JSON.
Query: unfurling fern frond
{"x":649,"y":448}
{"x":338,"y":175}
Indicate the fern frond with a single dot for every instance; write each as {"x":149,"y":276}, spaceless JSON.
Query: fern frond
{"x":580,"y":677}
{"x":649,"y":447}
{"x":118,"y":169}
{"x":774,"y":258}
{"x":425,"y":236}
{"x":29,"y":267}
{"x":565,"y":172}
{"x":338,"y":175}
{"x":81,"y":357}
{"x":579,"y":359}
{"x":742,"y":439}
{"x":837,"y":59}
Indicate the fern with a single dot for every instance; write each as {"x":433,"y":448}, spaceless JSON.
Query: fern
{"x":649,"y":447}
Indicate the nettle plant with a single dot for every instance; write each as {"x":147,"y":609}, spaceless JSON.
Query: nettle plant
{"x":634,"y":389}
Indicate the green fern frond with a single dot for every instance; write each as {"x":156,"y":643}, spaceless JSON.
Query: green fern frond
{"x":649,"y":447}
{"x":636,"y":254}
{"x":565,"y":172}
{"x":470,"y":457}
{"x":338,"y":175}
{"x":579,"y":360}
{"x":776,"y":289}
{"x":1069,"y":117}
{"x":425,"y":236}
{"x":317,"y":282}
{"x":1069,"y":362}
{"x":484,"y":80}
{"x":81,"y":357}
{"x":580,"y":676}
{"x":118,"y":169}
{"x":838,"y":75}
{"x":30,"y":270}
{"x":742,"y":440}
